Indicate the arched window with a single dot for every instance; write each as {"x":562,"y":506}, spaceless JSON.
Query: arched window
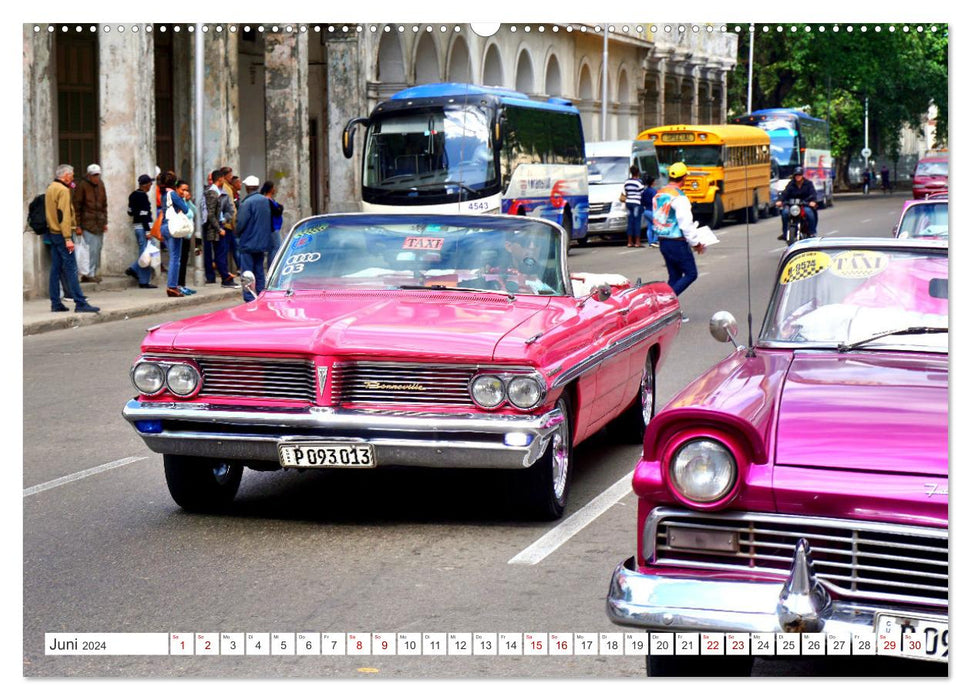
{"x":553,"y":82}
{"x":391,"y":65}
{"x":492,"y":71}
{"x":524,"y":74}
{"x":426,"y":62}
{"x":460,"y":63}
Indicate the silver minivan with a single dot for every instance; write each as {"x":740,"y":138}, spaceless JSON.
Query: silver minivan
{"x":608,"y":167}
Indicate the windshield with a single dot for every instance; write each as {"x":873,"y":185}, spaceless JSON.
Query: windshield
{"x":924,"y":220}
{"x":933,"y":168}
{"x":393,"y":251}
{"x":844,"y":295}
{"x":704,"y":156}
{"x":427,"y":150}
{"x":607,"y":170}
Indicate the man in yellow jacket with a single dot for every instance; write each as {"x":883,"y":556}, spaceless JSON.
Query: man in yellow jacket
{"x":60,"y":224}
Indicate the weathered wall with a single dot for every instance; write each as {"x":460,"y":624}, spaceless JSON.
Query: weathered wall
{"x":220,"y":115}
{"x":345,"y":100}
{"x":39,"y":154}
{"x":287,"y":138}
{"x":127,"y":135}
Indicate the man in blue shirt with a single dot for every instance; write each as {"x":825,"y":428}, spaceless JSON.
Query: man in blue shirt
{"x":254,"y":233}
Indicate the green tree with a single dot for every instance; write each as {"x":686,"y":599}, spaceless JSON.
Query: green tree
{"x":831,"y":73}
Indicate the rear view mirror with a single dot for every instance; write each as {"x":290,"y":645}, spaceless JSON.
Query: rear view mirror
{"x":347,"y":139}
{"x":723,"y":327}
{"x":938,"y":288}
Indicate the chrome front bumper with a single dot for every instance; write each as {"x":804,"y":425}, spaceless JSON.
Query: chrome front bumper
{"x":604,"y":224}
{"x":399,"y":438}
{"x":709,"y":604}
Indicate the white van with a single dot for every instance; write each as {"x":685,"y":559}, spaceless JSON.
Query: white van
{"x":608,"y":167}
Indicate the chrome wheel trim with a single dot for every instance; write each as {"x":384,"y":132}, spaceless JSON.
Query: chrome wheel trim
{"x":647,"y":395}
{"x":222,"y":473}
{"x":560,"y":447}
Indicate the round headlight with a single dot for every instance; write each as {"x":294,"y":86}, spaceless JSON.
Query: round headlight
{"x":524,"y":392}
{"x":794,"y":210}
{"x":703,"y":471}
{"x":148,"y":377}
{"x":182,"y":379}
{"x":488,"y":391}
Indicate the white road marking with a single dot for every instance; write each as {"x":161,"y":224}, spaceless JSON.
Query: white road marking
{"x":865,"y":221}
{"x":552,"y":540}
{"x":80,"y":475}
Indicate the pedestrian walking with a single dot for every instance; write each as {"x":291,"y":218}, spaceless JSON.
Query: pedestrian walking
{"x":59,"y":211}
{"x":91,"y":209}
{"x":189,"y":242}
{"x":140,"y":211}
{"x":866,"y":182}
{"x":633,"y":188}
{"x":254,"y":226}
{"x":885,"y":179}
{"x":230,"y":224}
{"x":647,"y":203}
{"x":219,"y":210}
{"x":677,"y":231}
{"x":268,"y":190}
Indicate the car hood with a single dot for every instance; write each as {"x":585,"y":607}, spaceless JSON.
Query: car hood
{"x":880,"y":413}
{"x":609,"y":192}
{"x":401,"y":324}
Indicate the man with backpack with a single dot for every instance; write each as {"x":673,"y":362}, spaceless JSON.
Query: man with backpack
{"x":59,"y":212}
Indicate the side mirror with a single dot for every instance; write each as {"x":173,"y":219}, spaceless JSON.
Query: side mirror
{"x":347,"y":138}
{"x":723,"y":327}
{"x":248,"y":280}
{"x":602,"y":292}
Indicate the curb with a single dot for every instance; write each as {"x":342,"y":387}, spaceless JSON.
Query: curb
{"x":166,"y":304}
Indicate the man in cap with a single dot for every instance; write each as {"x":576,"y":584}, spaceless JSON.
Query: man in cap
{"x":140,"y":211}
{"x":254,"y":230}
{"x":798,"y":188}
{"x":91,"y":208}
{"x":251,"y":183}
{"x":676,"y":230}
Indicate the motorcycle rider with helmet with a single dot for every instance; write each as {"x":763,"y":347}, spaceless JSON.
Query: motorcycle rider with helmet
{"x":798,"y":188}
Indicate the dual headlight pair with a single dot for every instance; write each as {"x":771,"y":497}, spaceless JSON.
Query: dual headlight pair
{"x":703,"y":470}
{"x":181,"y":378}
{"x":523,"y":391}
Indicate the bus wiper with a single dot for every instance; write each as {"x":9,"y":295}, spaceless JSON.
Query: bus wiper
{"x":445,"y":183}
{"x":912,"y":330}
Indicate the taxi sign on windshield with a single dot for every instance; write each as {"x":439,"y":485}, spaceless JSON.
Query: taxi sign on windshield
{"x":423,"y":243}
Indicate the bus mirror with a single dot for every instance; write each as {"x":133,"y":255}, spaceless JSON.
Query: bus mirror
{"x":347,"y":139}
{"x":497,"y":136}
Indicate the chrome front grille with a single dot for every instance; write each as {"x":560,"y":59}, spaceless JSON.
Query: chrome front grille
{"x":599,"y":209}
{"x":258,"y":378}
{"x":402,"y":384}
{"x":855,"y":559}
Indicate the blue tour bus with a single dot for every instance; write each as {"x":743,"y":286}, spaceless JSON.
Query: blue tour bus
{"x":795,"y":138}
{"x":451,"y":147}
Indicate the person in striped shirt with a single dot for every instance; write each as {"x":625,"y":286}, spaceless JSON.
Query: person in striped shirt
{"x":632,"y":191}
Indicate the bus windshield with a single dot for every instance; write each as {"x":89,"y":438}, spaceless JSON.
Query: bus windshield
{"x":705,"y":156}
{"x":783,"y":143}
{"x":440,"y":148}
{"x":607,"y":170}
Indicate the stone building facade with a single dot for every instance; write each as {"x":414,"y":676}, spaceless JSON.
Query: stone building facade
{"x":276,"y":98}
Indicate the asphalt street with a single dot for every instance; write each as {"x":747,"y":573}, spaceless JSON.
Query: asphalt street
{"x":106,"y":550}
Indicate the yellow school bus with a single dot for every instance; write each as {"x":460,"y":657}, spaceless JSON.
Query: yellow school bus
{"x":728,"y":167}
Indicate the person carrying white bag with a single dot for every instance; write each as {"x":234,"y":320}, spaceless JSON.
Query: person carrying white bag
{"x":140,"y":210}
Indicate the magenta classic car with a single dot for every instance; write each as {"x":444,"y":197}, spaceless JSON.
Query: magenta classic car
{"x":923,"y":218}
{"x":801,"y":485}
{"x":405,"y":340}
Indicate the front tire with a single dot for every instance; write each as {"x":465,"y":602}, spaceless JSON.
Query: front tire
{"x":201,"y":485}
{"x":717,"y":213}
{"x":634,"y":420}
{"x":543,"y":488}
{"x":699,"y":666}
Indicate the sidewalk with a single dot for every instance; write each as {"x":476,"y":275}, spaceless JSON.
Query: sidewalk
{"x":119,"y":298}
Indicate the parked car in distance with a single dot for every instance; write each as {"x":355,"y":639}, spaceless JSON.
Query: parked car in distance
{"x":405,"y":340}
{"x":923,"y":218}
{"x":930,"y":176}
{"x":801,"y":485}
{"x":608,"y":168}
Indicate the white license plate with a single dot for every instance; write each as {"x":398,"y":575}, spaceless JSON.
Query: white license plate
{"x":923,"y":638}
{"x":326,"y":455}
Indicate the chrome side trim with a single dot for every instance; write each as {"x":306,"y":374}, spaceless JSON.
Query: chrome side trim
{"x":609,"y":351}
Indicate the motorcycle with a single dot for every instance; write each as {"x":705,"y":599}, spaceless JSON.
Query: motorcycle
{"x":797,"y":227}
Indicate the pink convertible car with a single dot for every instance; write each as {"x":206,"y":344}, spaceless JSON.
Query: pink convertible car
{"x":801,"y":485}
{"x":405,"y":340}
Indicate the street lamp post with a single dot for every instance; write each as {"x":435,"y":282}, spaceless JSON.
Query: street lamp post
{"x":603,"y":100}
{"x":751,"y":53}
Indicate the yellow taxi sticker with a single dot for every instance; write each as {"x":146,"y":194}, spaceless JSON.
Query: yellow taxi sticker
{"x":860,"y":264}
{"x":804,"y":266}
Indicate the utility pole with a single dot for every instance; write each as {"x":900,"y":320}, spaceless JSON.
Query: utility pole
{"x":198,"y":186}
{"x":603,"y":105}
{"x":751,"y":53}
